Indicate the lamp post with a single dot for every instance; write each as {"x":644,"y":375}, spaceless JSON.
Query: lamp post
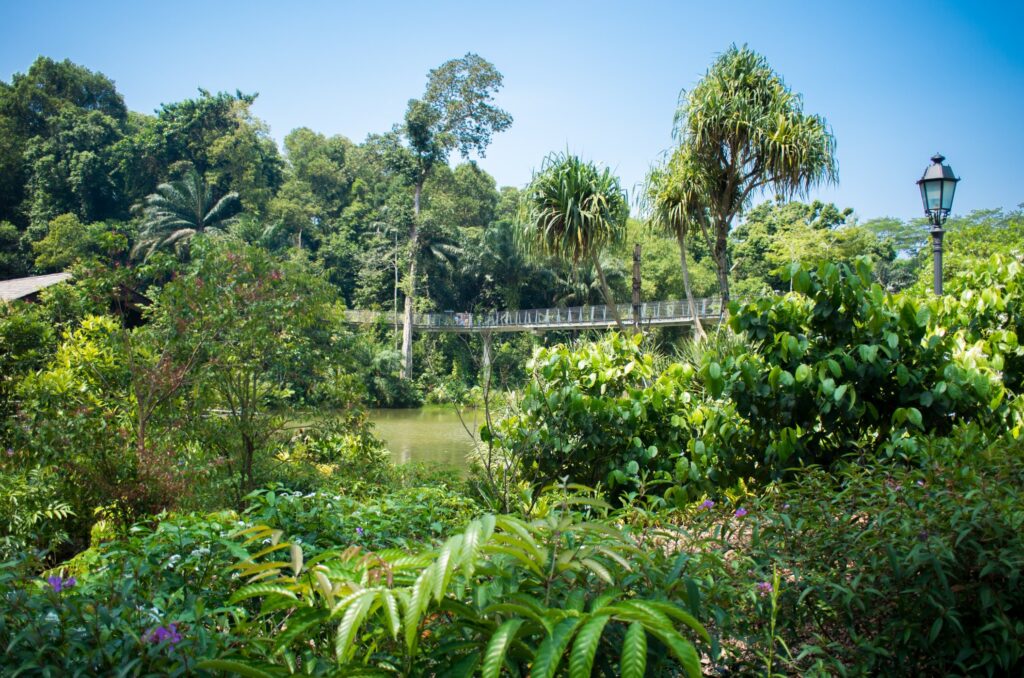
{"x":937,"y":188}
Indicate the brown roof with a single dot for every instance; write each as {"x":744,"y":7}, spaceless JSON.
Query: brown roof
{"x":23,"y":287}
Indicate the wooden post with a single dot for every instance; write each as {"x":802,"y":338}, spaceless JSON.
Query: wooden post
{"x":636,"y":289}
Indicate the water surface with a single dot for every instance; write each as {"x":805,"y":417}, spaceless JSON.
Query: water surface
{"x":429,"y":434}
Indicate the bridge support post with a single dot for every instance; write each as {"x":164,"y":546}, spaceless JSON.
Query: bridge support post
{"x":486,"y":338}
{"x":636,"y":289}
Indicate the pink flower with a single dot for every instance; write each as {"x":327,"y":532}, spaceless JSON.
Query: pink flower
{"x":765,"y":588}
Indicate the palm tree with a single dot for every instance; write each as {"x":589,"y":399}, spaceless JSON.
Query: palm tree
{"x":580,"y":286}
{"x":572,"y":211}
{"x":181,"y":209}
{"x":673,"y":194}
{"x":743,"y":131}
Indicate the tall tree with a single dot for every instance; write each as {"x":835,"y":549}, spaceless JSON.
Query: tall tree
{"x":742,"y":131}
{"x":456,"y":112}
{"x":572,"y":211}
{"x":181,"y":209}
{"x":58,"y":125}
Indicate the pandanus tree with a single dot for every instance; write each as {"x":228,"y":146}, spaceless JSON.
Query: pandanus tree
{"x":673,"y":198}
{"x":182,"y":209}
{"x":572,"y":211}
{"x":742,"y":132}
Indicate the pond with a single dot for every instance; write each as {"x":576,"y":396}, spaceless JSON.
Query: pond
{"x":428,"y":434}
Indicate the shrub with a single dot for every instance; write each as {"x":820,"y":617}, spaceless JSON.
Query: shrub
{"x":151,"y":603}
{"x":400,"y":518}
{"x":596,"y":414}
{"x":32,"y":511}
{"x":883,"y":570}
{"x":836,"y":367}
{"x":841,"y":367}
{"x":503,"y":594}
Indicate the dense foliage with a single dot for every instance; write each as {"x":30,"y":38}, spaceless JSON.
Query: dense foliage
{"x":827,"y":481}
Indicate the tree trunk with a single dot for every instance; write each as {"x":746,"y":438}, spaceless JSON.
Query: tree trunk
{"x":608,"y":294}
{"x":721,"y":255}
{"x":410,"y":293}
{"x":698,"y":328}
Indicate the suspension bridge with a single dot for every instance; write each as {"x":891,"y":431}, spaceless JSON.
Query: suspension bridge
{"x":649,"y":314}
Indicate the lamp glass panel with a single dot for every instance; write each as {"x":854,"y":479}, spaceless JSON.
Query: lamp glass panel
{"x":949,"y":187}
{"x":932,"y":193}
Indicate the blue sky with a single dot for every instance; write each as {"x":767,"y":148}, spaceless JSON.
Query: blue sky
{"x":896,"y":80}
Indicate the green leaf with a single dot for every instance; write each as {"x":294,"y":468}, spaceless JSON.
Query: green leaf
{"x":254,"y":590}
{"x":914,"y":417}
{"x":681,"y":648}
{"x":581,"y":661}
{"x":297,"y":624}
{"x":802,"y":373}
{"x":494,"y":657}
{"x":549,"y":654}
{"x":235,"y":667}
{"x":935,"y":631}
{"x":715,"y":371}
{"x":354,"y":615}
{"x":633,"y":663}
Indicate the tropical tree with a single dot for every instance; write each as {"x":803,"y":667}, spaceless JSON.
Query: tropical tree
{"x":181,"y":209}
{"x":742,"y":131}
{"x":572,"y":211}
{"x":456,"y":112}
{"x":670,"y":200}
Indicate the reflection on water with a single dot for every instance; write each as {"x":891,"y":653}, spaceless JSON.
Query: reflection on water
{"x":431,"y":434}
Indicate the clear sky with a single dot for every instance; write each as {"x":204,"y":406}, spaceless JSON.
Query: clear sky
{"x":897,"y":81}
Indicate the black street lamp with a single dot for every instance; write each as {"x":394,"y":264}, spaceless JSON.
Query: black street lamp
{"x":937,"y":188}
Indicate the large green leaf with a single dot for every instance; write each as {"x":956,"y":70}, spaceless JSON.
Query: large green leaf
{"x":633,"y":663}
{"x":494,"y":657}
{"x":549,"y":654}
{"x":581,"y":660}
{"x":350,"y":622}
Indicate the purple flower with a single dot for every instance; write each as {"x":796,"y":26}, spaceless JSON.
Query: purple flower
{"x":10,"y":451}
{"x":920,"y":483}
{"x":765,"y":588}
{"x":785,"y":507}
{"x":740,"y":512}
{"x":167,"y":633}
{"x":359,"y":531}
{"x":707,"y":504}
{"x":59,"y":583}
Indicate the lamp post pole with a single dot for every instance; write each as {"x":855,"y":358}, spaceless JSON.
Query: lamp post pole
{"x":937,"y":234}
{"x":937,"y":188}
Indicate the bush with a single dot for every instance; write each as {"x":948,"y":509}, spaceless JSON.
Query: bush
{"x":839,"y":366}
{"x":882,"y":570}
{"x":502,"y":595}
{"x":596,"y":414}
{"x":150,"y":603}
{"x":400,"y":518}
{"x":836,"y":367}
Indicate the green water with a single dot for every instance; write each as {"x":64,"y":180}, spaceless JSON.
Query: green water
{"x":429,"y":434}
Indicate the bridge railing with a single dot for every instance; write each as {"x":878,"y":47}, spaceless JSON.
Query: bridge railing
{"x":652,"y":312}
